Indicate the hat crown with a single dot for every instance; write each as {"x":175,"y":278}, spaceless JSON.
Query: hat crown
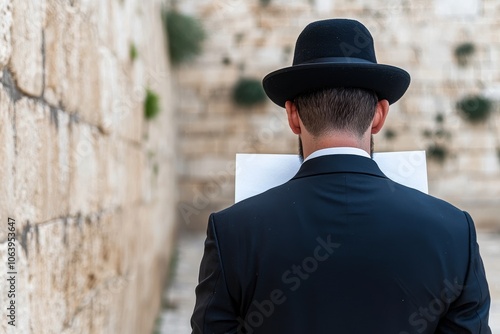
{"x":334,"y":40}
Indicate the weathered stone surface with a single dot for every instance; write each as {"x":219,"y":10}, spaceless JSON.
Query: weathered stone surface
{"x":110,"y":98}
{"x":7,"y":161}
{"x":5,"y":32}
{"x":83,"y":169}
{"x":42,"y":184}
{"x":22,"y":294}
{"x":32,"y":142}
{"x":56,"y":80}
{"x":58,"y":164}
{"x":46,"y":249}
{"x":74,"y":179}
{"x":27,"y":46}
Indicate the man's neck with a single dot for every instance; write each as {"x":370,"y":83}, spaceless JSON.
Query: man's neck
{"x":311,"y":144}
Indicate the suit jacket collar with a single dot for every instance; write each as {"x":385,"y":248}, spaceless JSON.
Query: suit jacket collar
{"x":339,"y":163}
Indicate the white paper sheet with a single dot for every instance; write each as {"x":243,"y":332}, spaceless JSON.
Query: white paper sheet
{"x":256,"y":173}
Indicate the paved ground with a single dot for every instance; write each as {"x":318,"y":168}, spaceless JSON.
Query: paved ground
{"x":180,"y":296}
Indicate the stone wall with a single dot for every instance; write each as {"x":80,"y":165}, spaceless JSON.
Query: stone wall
{"x":250,"y":39}
{"x":89,"y":182}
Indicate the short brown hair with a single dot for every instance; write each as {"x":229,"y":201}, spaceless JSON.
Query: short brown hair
{"x":350,"y":109}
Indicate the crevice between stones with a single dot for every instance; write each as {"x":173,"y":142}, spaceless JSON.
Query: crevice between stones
{"x":10,"y":86}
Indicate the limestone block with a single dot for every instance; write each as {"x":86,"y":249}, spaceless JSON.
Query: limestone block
{"x":85,"y":267}
{"x":105,"y":173}
{"x":56,"y":80}
{"x":202,"y":146}
{"x":449,"y":8}
{"x":126,"y":224}
{"x":483,"y":161}
{"x":83,"y":171}
{"x":81,"y":322}
{"x":103,"y":14}
{"x":464,"y":78}
{"x":118,"y":24}
{"x":82,"y":56}
{"x":445,"y":185}
{"x":27,"y":60}
{"x":194,"y":218}
{"x":7,"y":161}
{"x":134,"y":166}
{"x":5,"y":32}
{"x":57,"y":186}
{"x":32,"y":142}
{"x":166,"y":190}
{"x":112,"y":104}
{"x":203,"y":127}
{"x":150,"y":178}
{"x":149,"y":298}
{"x":118,"y":173}
{"x":136,"y":121}
{"x":491,"y":8}
{"x":48,"y":273}
{"x":127,"y":111}
{"x":225,"y":77}
{"x":189,"y":102}
{"x":98,"y":266}
{"x":71,"y":48}
{"x":111,"y":173}
{"x":72,"y":54}
{"x":200,"y":167}
{"x":88,"y":83}
{"x":204,"y":193}
{"x":474,"y":138}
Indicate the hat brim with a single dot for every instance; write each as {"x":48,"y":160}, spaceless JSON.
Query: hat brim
{"x":388,"y":82}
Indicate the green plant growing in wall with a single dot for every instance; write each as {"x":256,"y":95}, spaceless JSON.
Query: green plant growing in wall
{"x":463,"y":52}
{"x":264,"y":3}
{"x":133,"y":53}
{"x":151,"y":104}
{"x":475,"y":108}
{"x":248,"y":92}
{"x":437,"y":152}
{"x":390,"y":134}
{"x":185,"y":35}
{"x":439,"y":118}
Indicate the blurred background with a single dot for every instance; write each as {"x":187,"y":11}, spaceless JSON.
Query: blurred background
{"x":120,"y":121}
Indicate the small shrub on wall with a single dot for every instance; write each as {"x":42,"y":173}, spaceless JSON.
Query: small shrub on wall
{"x":390,"y":134}
{"x":133,"y":52}
{"x":151,"y":104}
{"x":248,"y":92}
{"x":437,"y":152}
{"x":475,"y":108}
{"x":185,"y":35}
{"x":463,"y":52}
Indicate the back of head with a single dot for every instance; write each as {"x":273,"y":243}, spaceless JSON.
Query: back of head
{"x":337,"y":109}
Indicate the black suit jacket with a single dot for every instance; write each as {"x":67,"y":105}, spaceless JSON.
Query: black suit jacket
{"x":340,"y":248}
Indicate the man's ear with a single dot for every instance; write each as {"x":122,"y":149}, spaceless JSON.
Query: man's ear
{"x":293,"y":117}
{"x":381,"y":111}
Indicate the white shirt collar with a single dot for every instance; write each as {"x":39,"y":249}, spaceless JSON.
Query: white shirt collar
{"x":338,"y":150}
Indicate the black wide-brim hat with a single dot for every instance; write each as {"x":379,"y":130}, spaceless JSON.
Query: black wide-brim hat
{"x":335,"y":53}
